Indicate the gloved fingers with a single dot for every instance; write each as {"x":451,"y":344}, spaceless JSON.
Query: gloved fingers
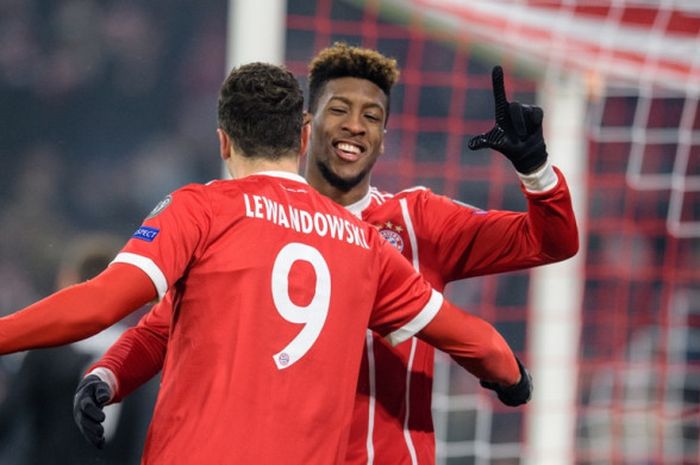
{"x":499,"y":95}
{"x":517,"y":117}
{"x":491,"y":139}
{"x":102,"y":394}
{"x":477,"y":142}
{"x":533,"y":117}
{"x":526,"y":119}
{"x":92,"y":430}
{"x":95,"y":434}
{"x":90,"y":410}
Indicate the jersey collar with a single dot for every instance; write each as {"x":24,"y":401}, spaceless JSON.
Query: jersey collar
{"x":358,"y":207}
{"x":283,"y":174}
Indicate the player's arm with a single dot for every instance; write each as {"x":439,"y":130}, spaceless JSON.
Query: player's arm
{"x":131,"y":361}
{"x":477,"y":347}
{"x":78,"y":311}
{"x":504,"y":241}
{"x":138,"y":355}
{"x":469,"y":242}
{"x":406,"y":306}
{"x":473,"y":242}
{"x":463,"y":241}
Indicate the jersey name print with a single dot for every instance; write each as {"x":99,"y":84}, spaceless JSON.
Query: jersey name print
{"x":322,"y":224}
{"x":269,"y":320}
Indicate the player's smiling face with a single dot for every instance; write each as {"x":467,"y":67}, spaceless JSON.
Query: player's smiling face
{"x":347,"y":133}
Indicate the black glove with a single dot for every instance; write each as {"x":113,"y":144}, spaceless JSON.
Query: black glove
{"x":516,"y":394}
{"x":92,"y":394}
{"x":518,"y":130}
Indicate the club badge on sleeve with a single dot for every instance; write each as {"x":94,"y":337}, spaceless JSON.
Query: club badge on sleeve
{"x":162,"y":205}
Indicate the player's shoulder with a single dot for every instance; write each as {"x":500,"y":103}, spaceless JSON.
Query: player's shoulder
{"x":192,"y":193}
{"x":416,"y":195}
{"x":423,"y":198}
{"x":380,"y":197}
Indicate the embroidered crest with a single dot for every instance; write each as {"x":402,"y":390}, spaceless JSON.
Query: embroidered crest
{"x":391,"y":232}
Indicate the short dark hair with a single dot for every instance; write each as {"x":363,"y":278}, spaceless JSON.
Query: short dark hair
{"x":342,"y":60}
{"x":261,"y":108}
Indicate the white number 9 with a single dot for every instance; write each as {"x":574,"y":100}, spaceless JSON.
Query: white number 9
{"x":313,"y":316}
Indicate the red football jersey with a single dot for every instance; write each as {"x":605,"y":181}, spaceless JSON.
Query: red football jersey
{"x":445,"y":241}
{"x":273,"y":287}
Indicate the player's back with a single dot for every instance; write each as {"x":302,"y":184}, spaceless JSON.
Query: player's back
{"x":268,"y":328}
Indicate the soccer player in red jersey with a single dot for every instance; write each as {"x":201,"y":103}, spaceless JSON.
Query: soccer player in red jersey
{"x":443,"y":239}
{"x":273,"y":287}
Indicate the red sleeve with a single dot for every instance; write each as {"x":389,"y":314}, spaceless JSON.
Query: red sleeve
{"x":473,"y":343}
{"x":138,"y":355}
{"x":464,"y":241}
{"x":405,"y":302}
{"x":165,"y":244}
{"x":77,"y":312}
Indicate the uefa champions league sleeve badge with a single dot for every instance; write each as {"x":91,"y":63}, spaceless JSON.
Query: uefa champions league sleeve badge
{"x":162,"y":205}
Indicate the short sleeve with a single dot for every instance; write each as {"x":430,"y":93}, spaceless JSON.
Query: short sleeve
{"x":164,"y":245}
{"x":405,"y":302}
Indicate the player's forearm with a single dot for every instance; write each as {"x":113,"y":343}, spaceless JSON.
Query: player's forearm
{"x":135,"y":358}
{"x":76,"y":312}
{"x":473,"y":343}
{"x":551,"y":219}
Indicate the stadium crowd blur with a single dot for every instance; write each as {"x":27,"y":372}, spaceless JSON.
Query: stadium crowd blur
{"x":108,"y":103}
{"x":105,"y":106}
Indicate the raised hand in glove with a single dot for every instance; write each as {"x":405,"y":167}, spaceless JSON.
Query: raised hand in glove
{"x":514,"y":395}
{"x":518,"y":130}
{"x":90,"y":397}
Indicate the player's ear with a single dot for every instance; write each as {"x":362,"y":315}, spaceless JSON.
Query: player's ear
{"x":224,"y":144}
{"x":305,"y":135}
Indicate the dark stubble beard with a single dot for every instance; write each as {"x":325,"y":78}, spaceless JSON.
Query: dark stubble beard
{"x":342,"y":184}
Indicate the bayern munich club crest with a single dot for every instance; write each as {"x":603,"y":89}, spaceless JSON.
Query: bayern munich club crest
{"x":390,"y":232}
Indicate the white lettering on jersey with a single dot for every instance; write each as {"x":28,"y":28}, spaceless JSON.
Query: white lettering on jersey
{"x":322,"y":224}
{"x":312,"y":316}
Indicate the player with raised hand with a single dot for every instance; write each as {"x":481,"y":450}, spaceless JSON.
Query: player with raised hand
{"x":349,"y":100}
{"x":518,"y":130}
{"x":273,"y":287}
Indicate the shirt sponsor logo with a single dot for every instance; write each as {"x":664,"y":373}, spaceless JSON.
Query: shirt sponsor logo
{"x":146,"y":233}
{"x":162,"y":205}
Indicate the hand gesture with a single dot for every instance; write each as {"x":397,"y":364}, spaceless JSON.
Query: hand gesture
{"x":518,"y":130}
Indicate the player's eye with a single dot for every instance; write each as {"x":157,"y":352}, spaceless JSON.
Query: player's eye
{"x":338,"y":110}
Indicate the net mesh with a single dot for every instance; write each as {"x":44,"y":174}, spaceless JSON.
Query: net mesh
{"x":638,"y":394}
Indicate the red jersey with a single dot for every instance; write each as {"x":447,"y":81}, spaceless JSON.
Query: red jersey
{"x":273,"y":287}
{"x":445,"y":241}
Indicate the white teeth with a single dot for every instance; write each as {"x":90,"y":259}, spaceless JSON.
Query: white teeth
{"x":348,"y":147}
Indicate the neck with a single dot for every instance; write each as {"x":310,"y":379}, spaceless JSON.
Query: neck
{"x":240,"y":167}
